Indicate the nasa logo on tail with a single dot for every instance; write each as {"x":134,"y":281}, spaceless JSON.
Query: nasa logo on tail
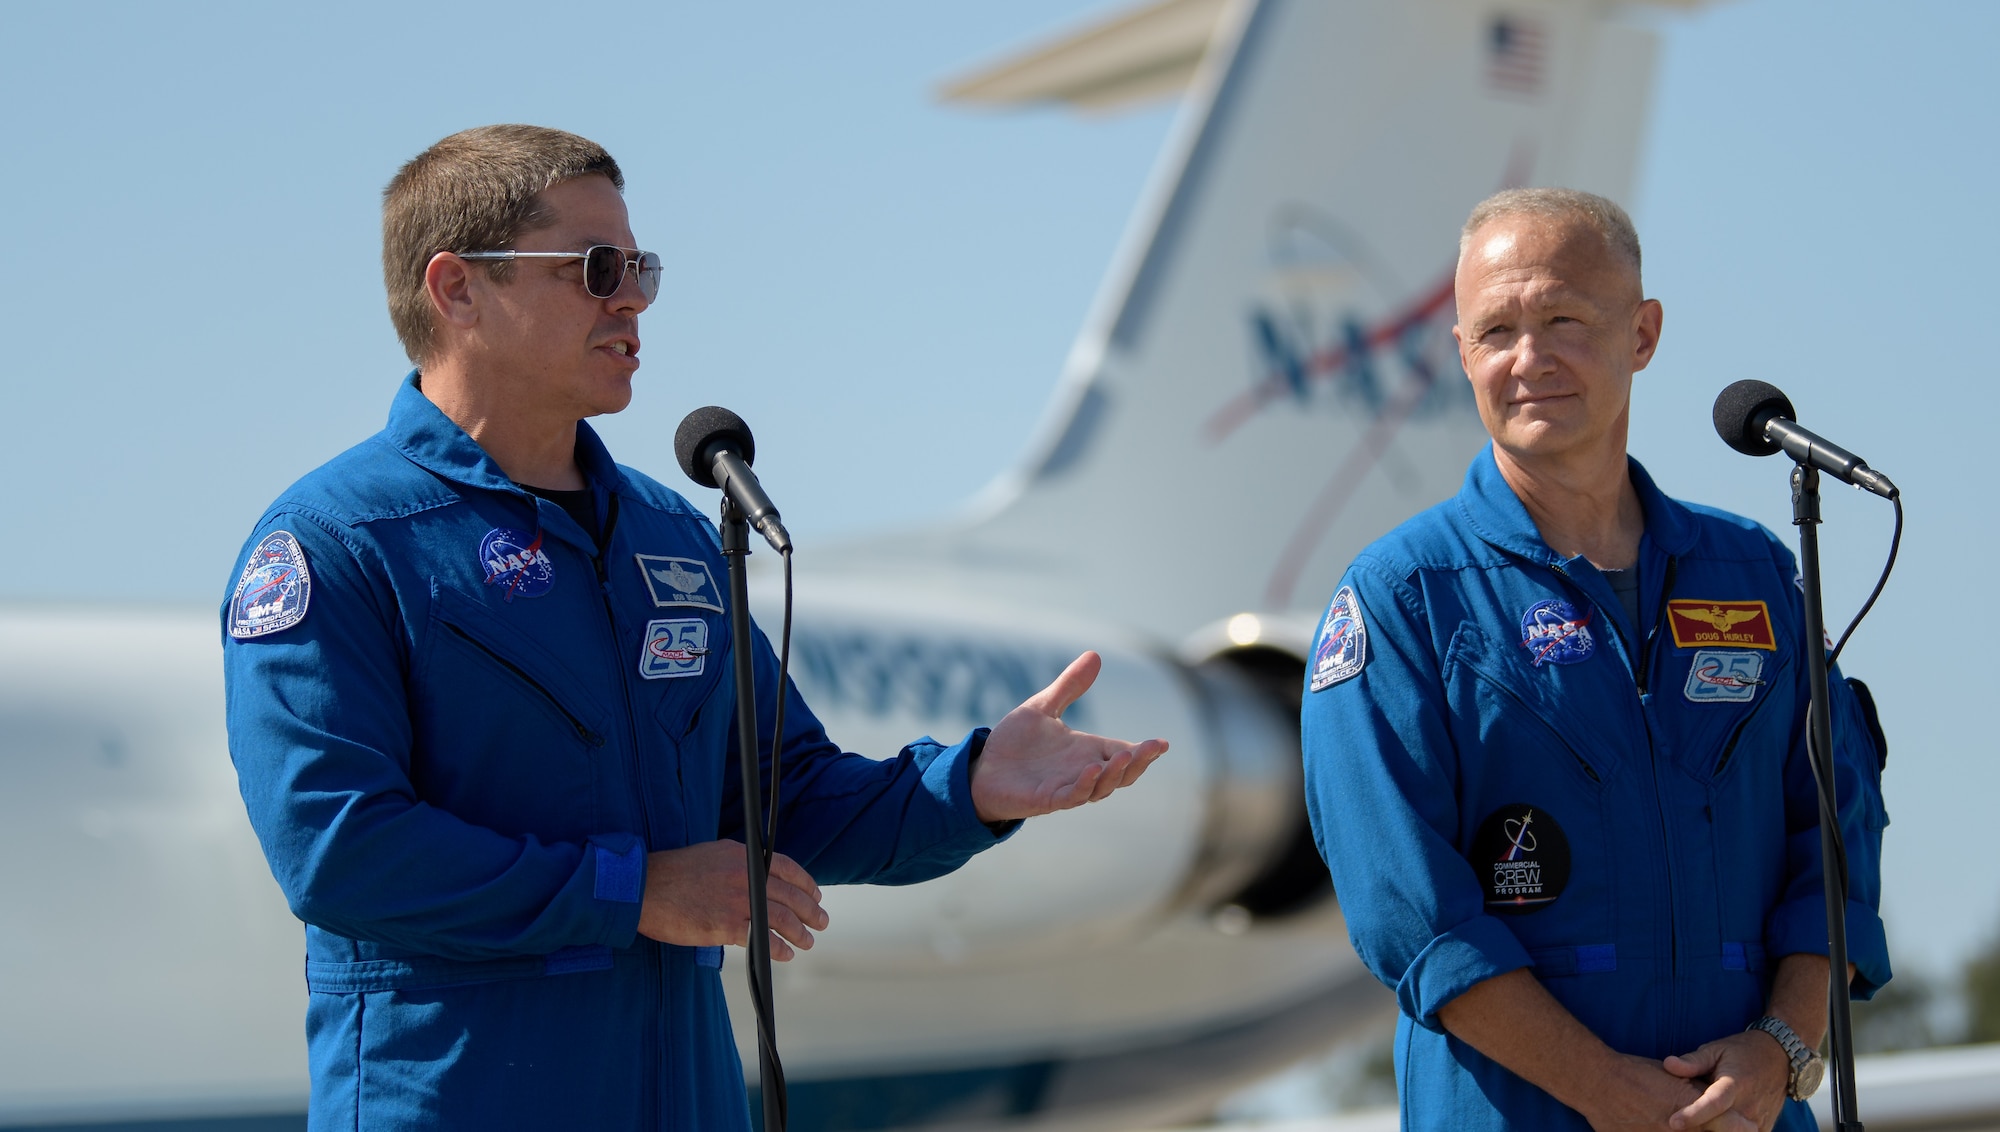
{"x":1333,"y":320}
{"x":679,"y":583}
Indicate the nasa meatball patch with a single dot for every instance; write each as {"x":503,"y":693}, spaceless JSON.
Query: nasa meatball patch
{"x":1343,"y":642}
{"x":1554,"y":632}
{"x":679,"y":583}
{"x":516,"y":564}
{"x":271,"y":595}
{"x":1522,"y":858}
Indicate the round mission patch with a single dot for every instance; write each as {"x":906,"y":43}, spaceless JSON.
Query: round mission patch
{"x":1522,"y":858}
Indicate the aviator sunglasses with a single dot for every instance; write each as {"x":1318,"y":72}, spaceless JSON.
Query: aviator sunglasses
{"x":604,"y":267}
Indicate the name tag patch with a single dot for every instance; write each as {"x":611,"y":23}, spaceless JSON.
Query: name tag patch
{"x":675,"y":647}
{"x":679,"y":583}
{"x":516,"y":563}
{"x":1724,"y":624}
{"x":1554,"y":632}
{"x":1720,"y":676}
{"x":274,"y":589}
{"x":1522,"y":858}
{"x":1343,"y":642}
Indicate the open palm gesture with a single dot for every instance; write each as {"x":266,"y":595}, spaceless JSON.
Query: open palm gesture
{"x":1035,"y":764}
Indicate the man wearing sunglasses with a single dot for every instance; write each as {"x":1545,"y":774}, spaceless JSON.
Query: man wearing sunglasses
{"x":479,"y":705}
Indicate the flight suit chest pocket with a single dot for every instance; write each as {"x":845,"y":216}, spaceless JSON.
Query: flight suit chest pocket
{"x":1533,"y":798}
{"x":1732,"y":709}
{"x":1527,"y":720}
{"x":696,"y":714}
{"x":504,"y":736}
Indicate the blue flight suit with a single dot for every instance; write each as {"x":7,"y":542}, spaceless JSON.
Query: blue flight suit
{"x":1503,"y":772}
{"x":460,"y":722}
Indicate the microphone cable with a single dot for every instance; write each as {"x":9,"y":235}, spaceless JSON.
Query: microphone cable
{"x":771,"y":1083}
{"x":1829,"y":818}
{"x":1895,"y":544}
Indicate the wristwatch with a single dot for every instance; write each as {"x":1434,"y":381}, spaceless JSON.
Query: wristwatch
{"x":1808,"y":1068}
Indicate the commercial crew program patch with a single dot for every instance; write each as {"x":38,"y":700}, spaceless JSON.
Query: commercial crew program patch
{"x":1343,"y":642}
{"x":1522,"y":858}
{"x":1554,"y":632}
{"x":273,"y":592}
{"x":674,"y":646}
{"x":1724,"y":676}
{"x":679,"y":583}
{"x":516,"y":563}
{"x":1721,"y":624}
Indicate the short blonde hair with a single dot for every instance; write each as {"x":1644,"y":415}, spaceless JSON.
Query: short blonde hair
{"x":1562,"y":206}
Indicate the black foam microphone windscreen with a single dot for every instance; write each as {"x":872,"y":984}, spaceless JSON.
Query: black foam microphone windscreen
{"x":697,"y":436}
{"x":1740,"y":413}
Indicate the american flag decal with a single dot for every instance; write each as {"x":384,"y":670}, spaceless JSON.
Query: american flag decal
{"x":1515,"y":50}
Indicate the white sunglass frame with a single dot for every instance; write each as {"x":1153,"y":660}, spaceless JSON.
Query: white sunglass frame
{"x":635,"y":260}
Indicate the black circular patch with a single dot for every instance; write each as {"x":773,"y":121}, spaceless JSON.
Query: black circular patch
{"x":1522,"y":858}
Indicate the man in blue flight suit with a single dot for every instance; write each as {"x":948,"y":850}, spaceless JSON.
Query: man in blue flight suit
{"x":480,"y":708}
{"x":1555,"y":744}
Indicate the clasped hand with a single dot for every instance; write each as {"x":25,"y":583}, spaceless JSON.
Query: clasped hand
{"x":1733,"y":1084}
{"x":1033,"y":764}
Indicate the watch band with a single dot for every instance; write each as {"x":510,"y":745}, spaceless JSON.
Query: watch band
{"x":1807,"y":1067}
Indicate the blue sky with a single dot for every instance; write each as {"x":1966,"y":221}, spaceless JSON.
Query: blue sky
{"x":191,"y":311}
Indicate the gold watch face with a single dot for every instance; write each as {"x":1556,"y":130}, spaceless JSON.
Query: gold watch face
{"x":1806,"y":1081}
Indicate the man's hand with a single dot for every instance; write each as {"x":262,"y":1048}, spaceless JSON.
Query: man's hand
{"x":1747,"y":1074}
{"x":700,"y":897}
{"x":1636,"y":1093}
{"x":1513,"y":1019}
{"x":1034,"y":764}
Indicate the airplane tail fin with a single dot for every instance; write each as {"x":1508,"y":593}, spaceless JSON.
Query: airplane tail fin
{"x":1267,"y":380}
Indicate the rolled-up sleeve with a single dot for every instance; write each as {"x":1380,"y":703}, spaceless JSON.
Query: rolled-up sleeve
{"x":1380,"y":768}
{"x":1798,"y":924}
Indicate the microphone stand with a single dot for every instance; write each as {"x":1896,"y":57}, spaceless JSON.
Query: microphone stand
{"x":736,"y":548}
{"x":1819,"y":751}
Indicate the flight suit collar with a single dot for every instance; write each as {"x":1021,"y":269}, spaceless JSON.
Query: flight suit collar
{"x":433,"y":441}
{"x":1492,"y":510}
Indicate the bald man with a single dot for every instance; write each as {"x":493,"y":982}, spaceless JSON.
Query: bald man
{"x":1555,"y":744}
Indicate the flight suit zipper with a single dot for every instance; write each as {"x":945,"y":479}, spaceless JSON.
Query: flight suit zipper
{"x":654,"y":1103}
{"x":1729,"y":748}
{"x":1653,"y":634}
{"x":1641,"y":670}
{"x":1643,"y":677}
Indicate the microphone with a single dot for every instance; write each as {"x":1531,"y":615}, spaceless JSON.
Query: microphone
{"x":1755,"y":418}
{"x":715,"y":449}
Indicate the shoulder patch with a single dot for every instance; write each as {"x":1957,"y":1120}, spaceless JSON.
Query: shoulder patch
{"x":272,"y":594}
{"x":1343,"y":642}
